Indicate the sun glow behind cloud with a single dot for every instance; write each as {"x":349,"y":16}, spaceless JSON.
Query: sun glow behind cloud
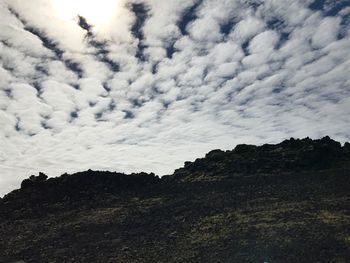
{"x":97,"y":12}
{"x":156,"y":83}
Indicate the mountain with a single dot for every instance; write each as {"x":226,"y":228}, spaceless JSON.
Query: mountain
{"x":287,"y":202}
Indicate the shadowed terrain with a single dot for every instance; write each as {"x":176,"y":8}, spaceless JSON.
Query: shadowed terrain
{"x":287,"y":202}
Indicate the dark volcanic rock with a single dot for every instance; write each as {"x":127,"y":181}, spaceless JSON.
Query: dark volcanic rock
{"x":287,"y":202}
{"x":289,"y":156}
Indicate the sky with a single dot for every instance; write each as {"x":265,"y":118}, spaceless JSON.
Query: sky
{"x":146,"y":85}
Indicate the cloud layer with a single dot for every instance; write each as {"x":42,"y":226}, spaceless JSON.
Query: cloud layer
{"x":165,"y":82}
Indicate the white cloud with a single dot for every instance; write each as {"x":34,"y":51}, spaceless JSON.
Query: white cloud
{"x":326,"y":33}
{"x":236,"y":75}
{"x":247,"y":28}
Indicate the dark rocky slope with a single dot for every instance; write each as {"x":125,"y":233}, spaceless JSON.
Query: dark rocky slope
{"x":274,"y":203}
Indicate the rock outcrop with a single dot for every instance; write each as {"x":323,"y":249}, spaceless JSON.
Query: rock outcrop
{"x":287,"y":202}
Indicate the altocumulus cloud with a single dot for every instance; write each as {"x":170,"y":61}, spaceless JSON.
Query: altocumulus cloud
{"x":166,"y":81}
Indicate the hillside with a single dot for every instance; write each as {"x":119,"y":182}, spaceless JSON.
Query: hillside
{"x":287,"y":202}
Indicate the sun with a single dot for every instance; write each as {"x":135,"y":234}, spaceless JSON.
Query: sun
{"x":97,"y":12}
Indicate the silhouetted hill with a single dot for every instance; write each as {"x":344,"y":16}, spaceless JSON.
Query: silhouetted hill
{"x":287,"y":202}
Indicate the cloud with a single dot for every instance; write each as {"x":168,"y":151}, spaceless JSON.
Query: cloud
{"x":326,"y":33}
{"x":165,"y":82}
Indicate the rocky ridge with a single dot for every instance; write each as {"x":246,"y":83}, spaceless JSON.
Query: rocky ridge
{"x":287,"y":202}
